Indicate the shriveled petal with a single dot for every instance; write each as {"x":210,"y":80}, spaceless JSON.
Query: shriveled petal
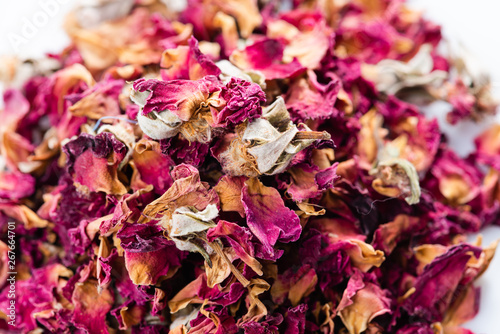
{"x":187,"y":190}
{"x":240,"y":239}
{"x":187,"y":62}
{"x":146,"y":268}
{"x":229,"y":191}
{"x":361,"y":303}
{"x":93,"y":162}
{"x":267,"y":217}
{"x":186,"y":221}
{"x":91,"y":307}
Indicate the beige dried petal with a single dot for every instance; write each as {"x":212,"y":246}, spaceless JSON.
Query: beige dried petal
{"x":391,"y":76}
{"x":282,"y":29}
{"x":220,"y":269}
{"x":273,"y":149}
{"x":303,"y":287}
{"x":187,"y":296}
{"x":268,"y":155}
{"x":369,"y":135}
{"x":228,"y":70}
{"x":310,"y":209}
{"x":131,"y":316}
{"x":261,"y":131}
{"x":425,"y":254}
{"x":266,"y":145}
{"x":14,"y":72}
{"x":186,"y":224}
{"x":300,"y":48}
{"x":165,"y":125}
{"x":364,"y":256}
{"x":229,"y":30}
{"x":397,"y":177}
{"x":187,"y":221}
{"x":362,"y":308}
{"x":256,"y":309}
{"x":246,"y":13}
{"x":229,"y":191}
{"x":24,"y":215}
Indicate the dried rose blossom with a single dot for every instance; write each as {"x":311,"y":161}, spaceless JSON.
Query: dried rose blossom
{"x":265,"y":145}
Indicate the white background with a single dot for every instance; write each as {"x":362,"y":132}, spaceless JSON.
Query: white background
{"x":475,"y":23}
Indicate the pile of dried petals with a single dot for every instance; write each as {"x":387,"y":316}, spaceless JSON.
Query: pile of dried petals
{"x":244,"y":166}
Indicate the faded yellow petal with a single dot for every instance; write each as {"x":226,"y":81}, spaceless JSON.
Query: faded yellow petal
{"x":387,"y":190}
{"x":369,"y":134}
{"x":220,"y":269}
{"x":304,"y":286}
{"x":246,"y":13}
{"x":463,"y":309}
{"x":229,"y":191}
{"x":186,"y":296}
{"x":69,"y":77}
{"x":365,"y":256}
{"x":131,"y":316}
{"x":229,"y":30}
{"x":25,"y":215}
{"x":425,"y":254}
{"x":483,"y":262}
{"x":256,"y":309}
{"x":310,"y":209}
{"x":455,"y":189}
{"x":365,"y":307}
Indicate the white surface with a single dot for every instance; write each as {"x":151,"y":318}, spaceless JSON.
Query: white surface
{"x":30,"y":28}
{"x":474,"y":23}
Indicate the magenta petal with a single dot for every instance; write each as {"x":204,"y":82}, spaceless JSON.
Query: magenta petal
{"x":437,"y":285}
{"x":266,"y":56}
{"x":16,"y":185}
{"x":267,"y":216}
{"x":176,"y":95}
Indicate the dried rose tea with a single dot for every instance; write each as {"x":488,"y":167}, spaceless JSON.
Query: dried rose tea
{"x":244,"y":166}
